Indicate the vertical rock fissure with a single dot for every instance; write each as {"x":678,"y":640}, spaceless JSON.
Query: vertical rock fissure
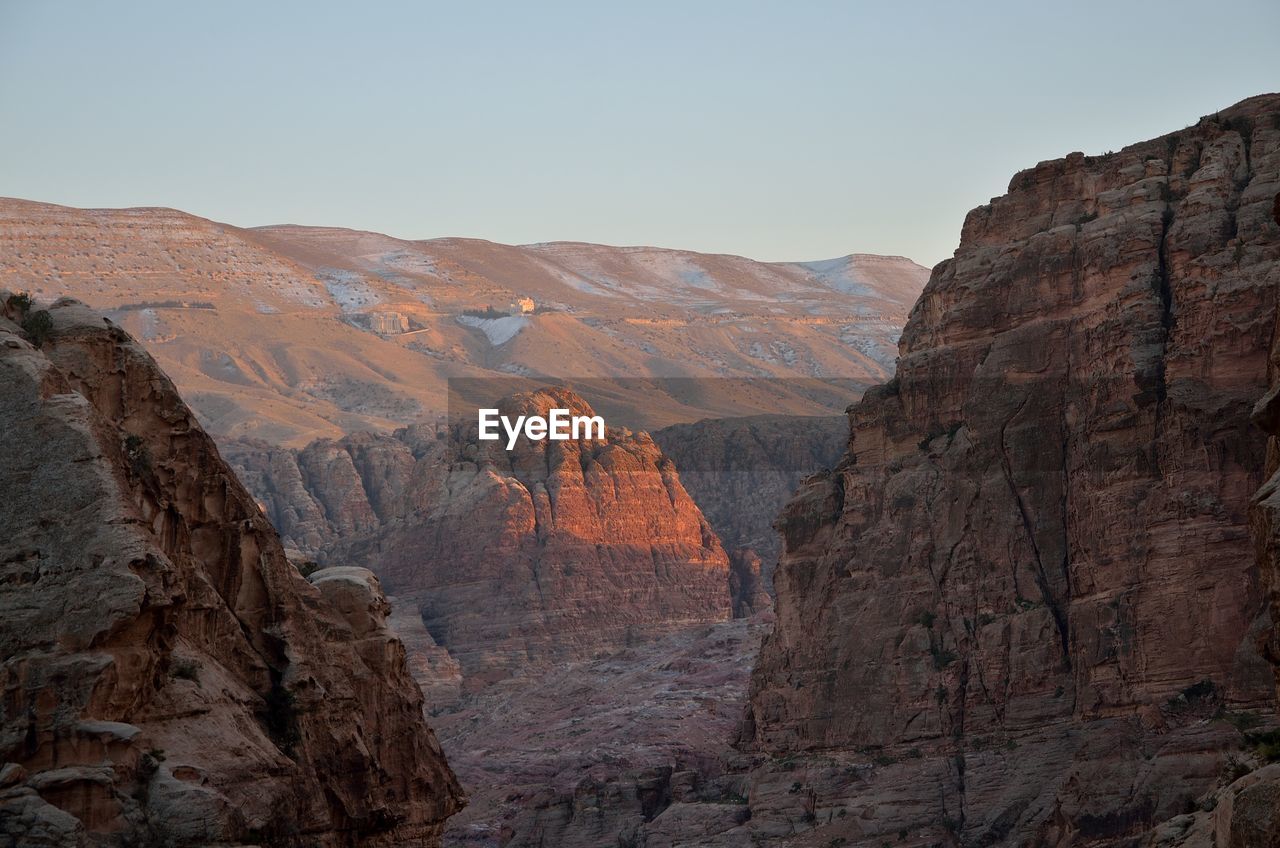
{"x":1164,"y":292}
{"x":1024,"y":513}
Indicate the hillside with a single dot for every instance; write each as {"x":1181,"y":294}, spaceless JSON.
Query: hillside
{"x":294,"y":333}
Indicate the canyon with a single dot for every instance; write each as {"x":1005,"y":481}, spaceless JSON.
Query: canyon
{"x":1024,"y":592}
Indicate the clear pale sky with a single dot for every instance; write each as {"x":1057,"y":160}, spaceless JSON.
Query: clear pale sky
{"x":781,"y":131}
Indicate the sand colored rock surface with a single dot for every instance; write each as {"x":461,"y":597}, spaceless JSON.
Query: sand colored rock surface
{"x":168,"y":676}
{"x":1024,"y":609}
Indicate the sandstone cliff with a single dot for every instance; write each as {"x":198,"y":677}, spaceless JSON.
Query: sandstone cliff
{"x":739,"y":471}
{"x":555,"y":550}
{"x":1024,"y":609}
{"x":169,"y":677}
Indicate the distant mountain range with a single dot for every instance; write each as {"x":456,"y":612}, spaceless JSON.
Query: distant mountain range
{"x":290,"y":333}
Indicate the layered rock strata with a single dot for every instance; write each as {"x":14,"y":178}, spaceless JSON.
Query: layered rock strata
{"x":1024,"y":609}
{"x":554,"y":550}
{"x":168,"y":676}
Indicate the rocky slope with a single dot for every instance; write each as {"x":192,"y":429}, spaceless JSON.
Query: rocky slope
{"x":1025,"y":607}
{"x":739,"y":471}
{"x":555,"y":550}
{"x":629,"y":749}
{"x":290,"y":334}
{"x":742,"y":471}
{"x":169,"y":677}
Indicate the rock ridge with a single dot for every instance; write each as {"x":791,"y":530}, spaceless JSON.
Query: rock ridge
{"x":169,"y":676}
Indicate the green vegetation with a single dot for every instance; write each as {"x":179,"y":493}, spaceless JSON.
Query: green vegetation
{"x":182,"y":669}
{"x":138,"y":454}
{"x":306,"y":567}
{"x":1195,"y":693}
{"x":280,"y":717}
{"x":38,"y":326}
{"x":941,"y":657}
{"x":20,"y":303}
{"x":1267,"y":745}
{"x":487,"y":312}
{"x":1242,"y":722}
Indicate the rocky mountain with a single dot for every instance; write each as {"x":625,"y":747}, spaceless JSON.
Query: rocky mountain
{"x":169,"y":678}
{"x":1026,"y":608}
{"x":554,"y":550}
{"x":289,"y":334}
{"x":739,"y":472}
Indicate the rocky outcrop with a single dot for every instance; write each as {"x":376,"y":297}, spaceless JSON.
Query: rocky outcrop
{"x":331,"y":494}
{"x":1024,"y":607}
{"x":747,"y":583}
{"x":436,"y":671}
{"x":742,"y":471}
{"x":168,"y":676}
{"x":555,"y":550}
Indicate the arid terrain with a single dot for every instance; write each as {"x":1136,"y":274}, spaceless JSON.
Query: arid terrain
{"x":1026,"y":592}
{"x":289,"y":334}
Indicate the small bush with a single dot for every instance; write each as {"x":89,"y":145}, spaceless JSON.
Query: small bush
{"x":19,"y":303}
{"x":1243,"y":722}
{"x":487,"y":312}
{"x":306,"y":567}
{"x":1234,"y":769}
{"x":1203,"y":689}
{"x":185,"y":670}
{"x":38,"y":326}
{"x":138,"y":454}
{"x":280,"y":716}
{"x":941,"y":657}
{"x":1267,"y":745}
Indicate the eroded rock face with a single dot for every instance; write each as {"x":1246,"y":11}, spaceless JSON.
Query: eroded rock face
{"x":169,"y":677}
{"x":1024,"y":608}
{"x":743,"y":471}
{"x":554,"y":550}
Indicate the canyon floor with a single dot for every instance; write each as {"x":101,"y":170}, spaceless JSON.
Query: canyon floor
{"x":633,"y":745}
